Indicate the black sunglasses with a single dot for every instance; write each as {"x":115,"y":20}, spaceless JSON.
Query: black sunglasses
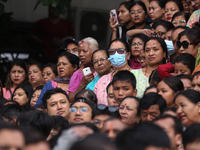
{"x":110,"y":108}
{"x":185,"y":44}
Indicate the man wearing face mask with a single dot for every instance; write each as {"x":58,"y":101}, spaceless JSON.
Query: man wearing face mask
{"x":119,"y":54}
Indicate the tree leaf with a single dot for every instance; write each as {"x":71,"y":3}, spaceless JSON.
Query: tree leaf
{"x":1,"y":8}
{"x":46,"y":2}
{"x":55,"y":3}
{"x":36,"y":5}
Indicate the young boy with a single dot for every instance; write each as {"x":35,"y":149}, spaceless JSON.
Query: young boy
{"x":124,"y":84}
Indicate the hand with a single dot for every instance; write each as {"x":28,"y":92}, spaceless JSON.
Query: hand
{"x":82,"y":131}
{"x":147,"y":32}
{"x":87,"y":79}
{"x":112,"y":24}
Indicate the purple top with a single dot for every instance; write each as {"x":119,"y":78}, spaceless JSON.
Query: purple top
{"x":75,"y":80}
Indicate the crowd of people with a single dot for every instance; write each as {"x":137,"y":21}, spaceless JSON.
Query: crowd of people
{"x":141,"y":92}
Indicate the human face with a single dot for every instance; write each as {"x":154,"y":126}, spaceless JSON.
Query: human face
{"x":128,"y":111}
{"x":35,"y":76}
{"x":150,"y":114}
{"x":168,"y":126}
{"x":186,"y":83}
{"x":39,"y":146}
{"x":136,"y":47}
{"x":186,"y":6}
{"x":167,"y":93}
{"x":20,"y":97}
{"x":195,"y":4}
{"x":112,"y":127}
{"x":186,"y":111}
{"x":101,"y":63}
{"x":58,"y":105}
{"x":179,"y":21}
{"x":123,"y":89}
{"x":175,"y":34}
{"x":155,"y":11}
{"x":110,"y":97}
{"x":180,"y":68}
{"x":123,"y":15}
{"x":64,"y":67}
{"x":192,"y":49}
{"x":35,"y":97}
{"x":99,"y":120}
{"x":17,"y":75}
{"x":138,"y":15}
{"x":154,"y":53}
{"x":11,"y":139}
{"x":196,"y":83}
{"x":169,"y":35}
{"x":72,"y":48}
{"x":85,"y":54}
{"x":143,"y":62}
{"x":80,"y":117}
{"x":161,"y":31}
{"x":170,"y":9}
{"x":48,"y":74}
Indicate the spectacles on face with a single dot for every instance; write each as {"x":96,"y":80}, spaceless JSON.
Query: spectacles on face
{"x":81,"y":109}
{"x":180,"y":21}
{"x":110,"y":108}
{"x":138,"y":44}
{"x":119,"y":51}
{"x":185,"y":44}
{"x":159,"y":34}
{"x":101,"y":60}
{"x":138,"y":12}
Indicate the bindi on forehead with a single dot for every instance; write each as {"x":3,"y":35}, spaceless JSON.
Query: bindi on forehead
{"x":111,"y":127}
{"x":116,"y":41}
{"x":197,"y":77}
{"x":176,"y":17}
{"x":147,"y":111}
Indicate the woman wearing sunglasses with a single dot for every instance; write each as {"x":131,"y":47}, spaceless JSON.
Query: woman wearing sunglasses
{"x":189,"y":42}
{"x":119,"y":55}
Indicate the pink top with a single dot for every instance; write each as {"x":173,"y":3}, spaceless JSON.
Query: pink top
{"x":100,"y":89}
{"x":134,"y":64}
{"x":6,"y":93}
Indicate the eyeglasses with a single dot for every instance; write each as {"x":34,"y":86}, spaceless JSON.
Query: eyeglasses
{"x":101,"y":60}
{"x":180,"y":21}
{"x":97,"y":122}
{"x":110,"y":108}
{"x":119,"y":51}
{"x":138,"y":44}
{"x":185,"y":44}
{"x":75,"y":109}
{"x":138,"y":12}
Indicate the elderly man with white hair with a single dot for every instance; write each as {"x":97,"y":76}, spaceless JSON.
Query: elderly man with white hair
{"x":78,"y":81}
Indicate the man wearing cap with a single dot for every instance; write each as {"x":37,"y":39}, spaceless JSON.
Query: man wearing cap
{"x":81,"y":111}
{"x":56,"y":102}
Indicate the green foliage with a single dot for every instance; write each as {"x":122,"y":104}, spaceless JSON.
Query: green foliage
{"x":59,"y":5}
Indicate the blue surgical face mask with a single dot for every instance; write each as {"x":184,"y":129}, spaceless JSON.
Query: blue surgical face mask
{"x":170,"y":47}
{"x":117,"y":60}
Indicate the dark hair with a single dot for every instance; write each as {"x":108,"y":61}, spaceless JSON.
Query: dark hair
{"x":195,"y":74}
{"x":29,"y":92}
{"x":39,"y":65}
{"x":184,"y":76}
{"x":173,"y":109}
{"x":38,"y":120}
{"x":139,"y":3}
{"x":141,"y":36}
{"x":174,"y":83}
{"x":191,"y":134}
{"x":10,"y":111}
{"x":40,"y":87}
{"x":152,"y":99}
{"x":9,"y":126}
{"x":125,"y":75}
{"x":180,"y":13}
{"x":192,"y":34}
{"x":59,"y":123}
{"x":192,"y":95}
{"x":186,"y":59}
{"x":22,"y":64}
{"x":167,"y":25}
{"x":150,"y":87}
{"x":177,"y":2}
{"x":178,"y":127}
{"x":73,"y":59}
{"x":123,"y":42}
{"x":108,"y":87}
{"x":106,"y":52}
{"x":160,"y":2}
{"x":162,"y":44}
{"x":154,"y":77}
{"x":126,"y":4}
{"x":53,"y":68}
{"x":90,"y":95}
{"x":51,"y":92}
